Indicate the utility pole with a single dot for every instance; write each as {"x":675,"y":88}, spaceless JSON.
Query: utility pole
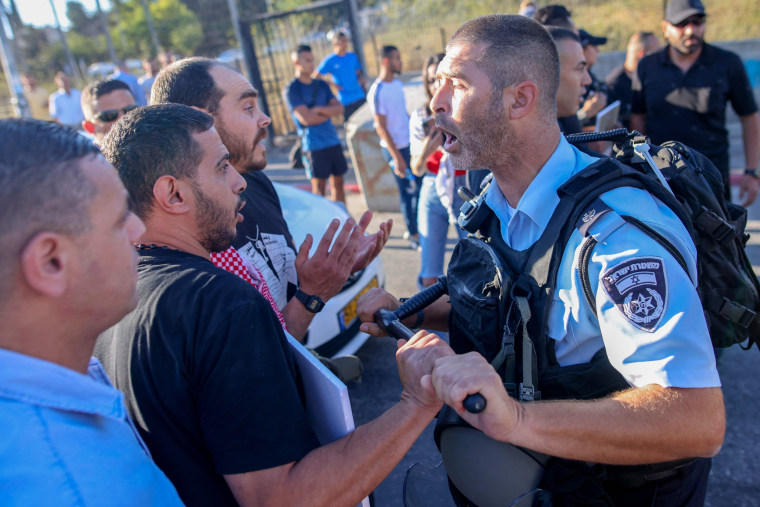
{"x":151,"y":28}
{"x":235,"y":16}
{"x":104,"y":27}
{"x":18,"y":99}
{"x":66,"y":49}
{"x":356,"y":36}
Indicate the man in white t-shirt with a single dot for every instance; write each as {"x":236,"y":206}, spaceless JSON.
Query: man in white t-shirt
{"x":388,"y":105}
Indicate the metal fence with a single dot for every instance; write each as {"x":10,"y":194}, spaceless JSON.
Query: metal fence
{"x":275,"y":36}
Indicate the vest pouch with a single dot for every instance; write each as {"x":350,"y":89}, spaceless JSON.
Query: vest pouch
{"x":478,"y":286}
{"x":484,"y":472}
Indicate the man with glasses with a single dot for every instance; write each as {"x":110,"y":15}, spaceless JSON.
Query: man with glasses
{"x":104,"y":102}
{"x":681,"y":91}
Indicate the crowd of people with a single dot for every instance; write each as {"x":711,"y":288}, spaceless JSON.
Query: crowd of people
{"x":160,"y":248}
{"x":66,"y":107}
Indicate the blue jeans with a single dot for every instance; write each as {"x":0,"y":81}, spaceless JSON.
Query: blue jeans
{"x":408,"y":189}
{"x":433,"y":220}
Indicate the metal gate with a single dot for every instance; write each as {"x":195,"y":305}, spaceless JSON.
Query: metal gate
{"x":269,"y":39}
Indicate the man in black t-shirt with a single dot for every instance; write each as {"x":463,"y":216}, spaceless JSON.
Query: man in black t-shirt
{"x":206,"y":369}
{"x":263,"y":239}
{"x":680,"y":93}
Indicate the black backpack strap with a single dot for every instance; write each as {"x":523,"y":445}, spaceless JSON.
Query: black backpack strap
{"x":587,"y":220}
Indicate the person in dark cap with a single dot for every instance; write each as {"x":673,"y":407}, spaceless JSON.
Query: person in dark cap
{"x":596,"y":96}
{"x":681,"y":92}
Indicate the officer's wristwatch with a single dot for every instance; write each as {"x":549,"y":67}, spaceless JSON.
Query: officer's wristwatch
{"x":751,"y":172}
{"x":312,"y":303}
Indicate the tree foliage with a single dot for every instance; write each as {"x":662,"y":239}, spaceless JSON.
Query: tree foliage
{"x":177,"y":28}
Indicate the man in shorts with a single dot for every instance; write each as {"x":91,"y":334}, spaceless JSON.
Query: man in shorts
{"x":312,"y":105}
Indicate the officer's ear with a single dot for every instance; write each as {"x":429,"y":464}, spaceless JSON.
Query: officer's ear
{"x":520,"y":99}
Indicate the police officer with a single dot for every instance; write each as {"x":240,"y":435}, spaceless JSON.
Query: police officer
{"x":496,"y":107}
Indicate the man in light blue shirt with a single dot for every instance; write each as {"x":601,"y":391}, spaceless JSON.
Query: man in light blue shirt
{"x":65,"y":103}
{"x":122,"y":74}
{"x":496,"y":107}
{"x":67,"y":274}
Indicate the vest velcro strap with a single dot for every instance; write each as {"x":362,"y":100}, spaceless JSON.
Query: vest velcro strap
{"x":528,"y":390}
{"x":713,"y":225}
{"x":730,"y":310}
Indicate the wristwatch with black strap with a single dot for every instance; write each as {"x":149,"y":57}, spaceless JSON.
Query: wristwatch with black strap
{"x":312,"y":303}
{"x":751,"y":172}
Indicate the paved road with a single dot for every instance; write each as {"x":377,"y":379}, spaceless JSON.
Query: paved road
{"x":733,"y":481}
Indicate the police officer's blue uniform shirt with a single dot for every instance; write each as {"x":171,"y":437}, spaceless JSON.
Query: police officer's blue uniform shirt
{"x":650,"y":317}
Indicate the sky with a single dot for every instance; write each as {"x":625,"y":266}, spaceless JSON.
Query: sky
{"x":39,"y":12}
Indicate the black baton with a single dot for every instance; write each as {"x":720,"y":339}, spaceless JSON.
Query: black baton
{"x":386,"y":319}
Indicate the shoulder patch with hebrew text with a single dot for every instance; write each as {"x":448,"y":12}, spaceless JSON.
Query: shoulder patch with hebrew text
{"x":639,"y":289}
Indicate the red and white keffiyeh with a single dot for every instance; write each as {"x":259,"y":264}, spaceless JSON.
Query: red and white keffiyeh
{"x":230,"y":260}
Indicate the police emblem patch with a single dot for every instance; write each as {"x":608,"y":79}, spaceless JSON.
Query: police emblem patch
{"x":639,"y":289}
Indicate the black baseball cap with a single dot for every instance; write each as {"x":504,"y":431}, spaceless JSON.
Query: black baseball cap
{"x":586,"y":39}
{"x":679,"y":10}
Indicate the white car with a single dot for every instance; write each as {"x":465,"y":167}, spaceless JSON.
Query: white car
{"x":335,"y":330}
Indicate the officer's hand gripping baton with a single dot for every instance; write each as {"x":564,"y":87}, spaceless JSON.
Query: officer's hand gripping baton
{"x":389,"y":322}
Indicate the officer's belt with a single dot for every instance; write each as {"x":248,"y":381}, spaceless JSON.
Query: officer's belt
{"x":639,"y":475}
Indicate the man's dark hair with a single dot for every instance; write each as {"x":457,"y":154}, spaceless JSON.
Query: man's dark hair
{"x":96,"y":89}
{"x":554,"y":15}
{"x":296,"y":53}
{"x":155,"y":141}
{"x":559,"y":34}
{"x":302,"y":48}
{"x":188,"y":82}
{"x":42,"y":186}
{"x":433,"y":59}
{"x":387,"y":51}
{"x":517,"y":49}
